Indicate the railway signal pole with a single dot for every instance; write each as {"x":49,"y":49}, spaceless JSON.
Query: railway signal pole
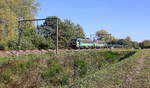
{"x":57,"y":37}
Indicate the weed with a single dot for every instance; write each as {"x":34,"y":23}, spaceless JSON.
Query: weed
{"x":80,"y":67}
{"x":6,"y":77}
{"x":52,"y":74}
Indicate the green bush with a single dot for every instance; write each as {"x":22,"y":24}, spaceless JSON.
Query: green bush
{"x":24,"y":65}
{"x":26,"y":44}
{"x":42,"y":43}
{"x":145,"y":44}
{"x":110,"y":56}
{"x":55,"y":75}
{"x":101,"y":63}
{"x":80,"y":67}
{"x":2,"y":85}
{"x":7,"y":77}
{"x":2,"y":46}
{"x":64,"y":79}
{"x":29,"y":63}
{"x":12,"y":45}
{"x":54,"y":70}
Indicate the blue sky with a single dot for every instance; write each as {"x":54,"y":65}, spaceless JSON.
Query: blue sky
{"x":119,"y":17}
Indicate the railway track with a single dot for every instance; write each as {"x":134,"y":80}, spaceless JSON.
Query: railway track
{"x":26,"y":52}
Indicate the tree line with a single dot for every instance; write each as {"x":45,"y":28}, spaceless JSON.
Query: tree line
{"x":44,"y":35}
{"x":110,"y":39}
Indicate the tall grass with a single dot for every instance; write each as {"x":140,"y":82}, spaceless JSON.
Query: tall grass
{"x":57,"y":70}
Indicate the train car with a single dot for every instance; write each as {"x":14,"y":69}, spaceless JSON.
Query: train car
{"x":100,"y":44}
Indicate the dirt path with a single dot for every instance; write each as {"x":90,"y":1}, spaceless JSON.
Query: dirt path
{"x":132,"y":76}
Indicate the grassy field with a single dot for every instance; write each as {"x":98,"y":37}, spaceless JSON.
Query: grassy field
{"x":80,"y":69}
{"x":133,"y":72}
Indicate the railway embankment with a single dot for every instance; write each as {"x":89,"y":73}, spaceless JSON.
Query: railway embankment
{"x":66,"y":69}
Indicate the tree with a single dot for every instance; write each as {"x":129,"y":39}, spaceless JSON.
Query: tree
{"x":103,"y":35}
{"x":145,"y":44}
{"x":135,"y":44}
{"x":7,"y":22}
{"x":122,"y":42}
{"x":101,"y":32}
{"x":67,"y":31}
{"x":128,"y":38}
{"x":48,"y":28}
{"x":10,"y":10}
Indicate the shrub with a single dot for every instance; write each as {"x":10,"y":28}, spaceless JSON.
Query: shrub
{"x":24,"y":65}
{"x":80,"y":67}
{"x":64,"y":80}
{"x":12,"y":45}
{"x":7,"y":76}
{"x":2,"y":46}
{"x":2,"y":85}
{"x":29,"y":63}
{"x":145,"y":44}
{"x":42,"y":43}
{"x":101,"y":63}
{"x":26,"y":44}
{"x":110,"y":56}
{"x":55,"y":75}
{"x":52,"y":71}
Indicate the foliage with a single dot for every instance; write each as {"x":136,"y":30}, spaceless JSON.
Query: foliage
{"x":135,"y":44}
{"x":52,"y":71}
{"x":145,"y":44}
{"x":26,"y":44}
{"x":10,"y":11}
{"x":57,"y":71}
{"x":101,"y":32}
{"x":6,"y":77}
{"x":123,"y":74}
{"x":42,"y":43}
{"x":2,"y":46}
{"x":55,"y":75}
{"x":80,"y":67}
{"x":103,"y":35}
{"x":122,"y":42}
{"x":24,"y":65}
{"x":126,"y":42}
{"x":67,"y":31}
{"x":110,"y":56}
{"x":128,"y":38}
{"x":7,"y":23}
{"x":12,"y":44}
